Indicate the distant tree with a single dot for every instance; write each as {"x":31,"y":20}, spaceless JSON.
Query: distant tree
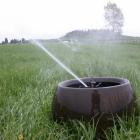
{"x":114,"y":17}
{"x":6,"y":41}
{"x":23,"y":40}
{"x":3,"y":42}
{"x":14,"y":41}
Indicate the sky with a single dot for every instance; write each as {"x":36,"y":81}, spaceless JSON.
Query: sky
{"x":47,"y":19}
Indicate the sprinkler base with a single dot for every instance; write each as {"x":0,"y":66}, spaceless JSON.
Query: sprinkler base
{"x":103,"y":101}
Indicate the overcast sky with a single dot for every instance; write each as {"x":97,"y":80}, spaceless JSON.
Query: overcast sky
{"x":53,"y":18}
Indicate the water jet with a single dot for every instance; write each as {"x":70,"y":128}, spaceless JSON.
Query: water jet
{"x":37,"y":43}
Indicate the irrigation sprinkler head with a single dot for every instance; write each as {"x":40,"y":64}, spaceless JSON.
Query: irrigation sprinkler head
{"x":103,"y":100}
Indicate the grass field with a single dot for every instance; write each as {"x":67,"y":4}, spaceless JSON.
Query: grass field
{"x":28,"y":79}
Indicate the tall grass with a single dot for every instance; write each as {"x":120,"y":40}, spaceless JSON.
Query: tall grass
{"x":28,"y":79}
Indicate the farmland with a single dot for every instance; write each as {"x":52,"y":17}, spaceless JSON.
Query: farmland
{"x":28,"y":80}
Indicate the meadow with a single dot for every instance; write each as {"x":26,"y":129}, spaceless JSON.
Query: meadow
{"x":28,"y":80}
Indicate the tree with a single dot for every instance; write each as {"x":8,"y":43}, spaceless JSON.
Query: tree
{"x":23,"y":40}
{"x":114,"y":17}
{"x":6,"y":41}
{"x":14,"y":41}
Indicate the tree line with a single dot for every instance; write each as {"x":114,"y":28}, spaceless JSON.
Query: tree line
{"x":14,"y":41}
{"x":93,"y":34}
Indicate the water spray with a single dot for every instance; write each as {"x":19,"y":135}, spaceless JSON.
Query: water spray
{"x":37,"y":43}
{"x":67,"y":45}
{"x":64,"y":43}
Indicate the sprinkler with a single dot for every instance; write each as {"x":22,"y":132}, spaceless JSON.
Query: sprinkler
{"x":103,"y":100}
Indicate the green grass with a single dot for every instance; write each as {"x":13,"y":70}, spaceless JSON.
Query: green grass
{"x":28,"y":79}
